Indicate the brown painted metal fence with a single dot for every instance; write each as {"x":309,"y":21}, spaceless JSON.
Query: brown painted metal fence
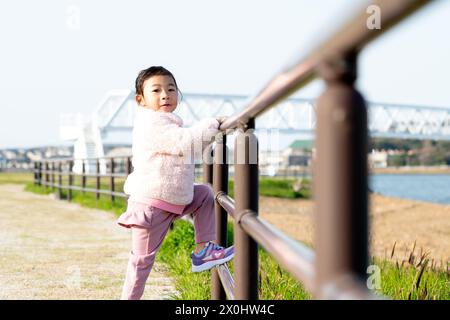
{"x":337,"y":267}
{"x":46,"y":172}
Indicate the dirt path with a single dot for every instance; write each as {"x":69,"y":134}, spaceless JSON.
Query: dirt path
{"x":59,"y":250}
{"x":391,"y":220}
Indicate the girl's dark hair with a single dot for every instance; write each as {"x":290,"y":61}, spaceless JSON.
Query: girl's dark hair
{"x":150,"y":72}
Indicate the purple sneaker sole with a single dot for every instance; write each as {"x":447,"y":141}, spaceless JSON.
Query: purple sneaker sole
{"x":208,"y":265}
{"x":213,"y":256}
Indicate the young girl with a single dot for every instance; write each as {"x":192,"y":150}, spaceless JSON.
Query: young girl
{"x":161,"y":188}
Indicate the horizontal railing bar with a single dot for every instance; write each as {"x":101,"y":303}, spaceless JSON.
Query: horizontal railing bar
{"x":102,"y":191}
{"x":348,"y":287}
{"x":299,"y":264}
{"x":76,"y":188}
{"x":227,"y":280}
{"x":296,"y":258}
{"x":226,"y":202}
{"x":351,"y":37}
{"x":83,"y":159}
{"x":92,"y":175}
{"x":107,"y":175}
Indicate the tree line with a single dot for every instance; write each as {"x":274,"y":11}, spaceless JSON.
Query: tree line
{"x":414,"y":152}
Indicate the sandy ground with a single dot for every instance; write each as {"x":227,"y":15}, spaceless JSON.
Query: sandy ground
{"x":59,"y":250}
{"x":392,"y":220}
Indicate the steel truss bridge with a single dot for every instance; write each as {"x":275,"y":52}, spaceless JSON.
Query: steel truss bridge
{"x":292,"y":116}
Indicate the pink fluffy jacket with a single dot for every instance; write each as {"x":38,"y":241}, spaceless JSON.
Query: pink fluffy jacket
{"x":164,"y":154}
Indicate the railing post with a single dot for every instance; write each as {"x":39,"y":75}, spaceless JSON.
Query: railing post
{"x":340,"y":180}
{"x":220,"y":183}
{"x":208,"y":167}
{"x":208,"y":179}
{"x":46,"y":174}
{"x":246,"y":191}
{"x":128,"y":166}
{"x":40,"y":173}
{"x":97,"y":179}
{"x":83,"y":174}
{"x":111,"y":181}
{"x":69,"y":191}
{"x":53,"y":175}
{"x":60,"y":179}
{"x":35,"y":180}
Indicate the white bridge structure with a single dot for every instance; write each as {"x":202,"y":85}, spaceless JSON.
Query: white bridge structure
{"x":292,"y":116}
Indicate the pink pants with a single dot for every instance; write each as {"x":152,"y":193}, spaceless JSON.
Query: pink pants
{"x":146,"y":240}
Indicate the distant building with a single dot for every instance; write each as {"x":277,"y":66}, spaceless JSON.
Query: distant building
{"x":270,"y":162}
{"x":22,"y":159}
{"x":299,"y":153}
{"x":378,"y":159}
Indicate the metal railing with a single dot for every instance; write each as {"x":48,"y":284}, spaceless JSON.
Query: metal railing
{"x":337,"y":268}
{"x":50,"y":173}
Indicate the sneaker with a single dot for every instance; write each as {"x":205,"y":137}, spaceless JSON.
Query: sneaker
{"x":210,"y":256}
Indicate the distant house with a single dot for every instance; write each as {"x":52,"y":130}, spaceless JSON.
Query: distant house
{"x":299,"y":153}
{"x":269,"y":162}
{"x":378,"y":159}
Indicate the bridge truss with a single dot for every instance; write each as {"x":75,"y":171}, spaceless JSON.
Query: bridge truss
{"x":292,"y":116}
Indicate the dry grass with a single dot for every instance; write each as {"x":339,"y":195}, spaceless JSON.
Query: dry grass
{"x":392,"y":221}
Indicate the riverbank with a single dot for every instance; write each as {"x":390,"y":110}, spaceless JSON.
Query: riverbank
{"x":392,"y":221}
{"x":412,"y":170}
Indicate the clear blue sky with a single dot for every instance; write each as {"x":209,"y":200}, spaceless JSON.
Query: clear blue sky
{"x":48,"y":66}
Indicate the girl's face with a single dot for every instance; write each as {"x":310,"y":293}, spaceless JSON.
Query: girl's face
{"x":160,"y":94}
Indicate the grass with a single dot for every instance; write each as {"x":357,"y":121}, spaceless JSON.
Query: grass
{"x":280,"y":188}
{"x":275,"y":283}
{"x":16,"y":177}
{"x":415,"y":280}
{"x":415,"y":277}
{"x":412,"y":282}
{"x":284,"y":188}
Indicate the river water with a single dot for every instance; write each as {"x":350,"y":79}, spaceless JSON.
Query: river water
{"x":425,"y":187}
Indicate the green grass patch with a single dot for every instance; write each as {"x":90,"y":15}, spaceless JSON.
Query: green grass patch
{"x":16,"y":177}
{"x":37,"y":189}
{"x":86,"y":199}
{"x":279,"y":188}
{"x":275,"y":283}
{"x":104,"y":202}
{"x":412,"y":282}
